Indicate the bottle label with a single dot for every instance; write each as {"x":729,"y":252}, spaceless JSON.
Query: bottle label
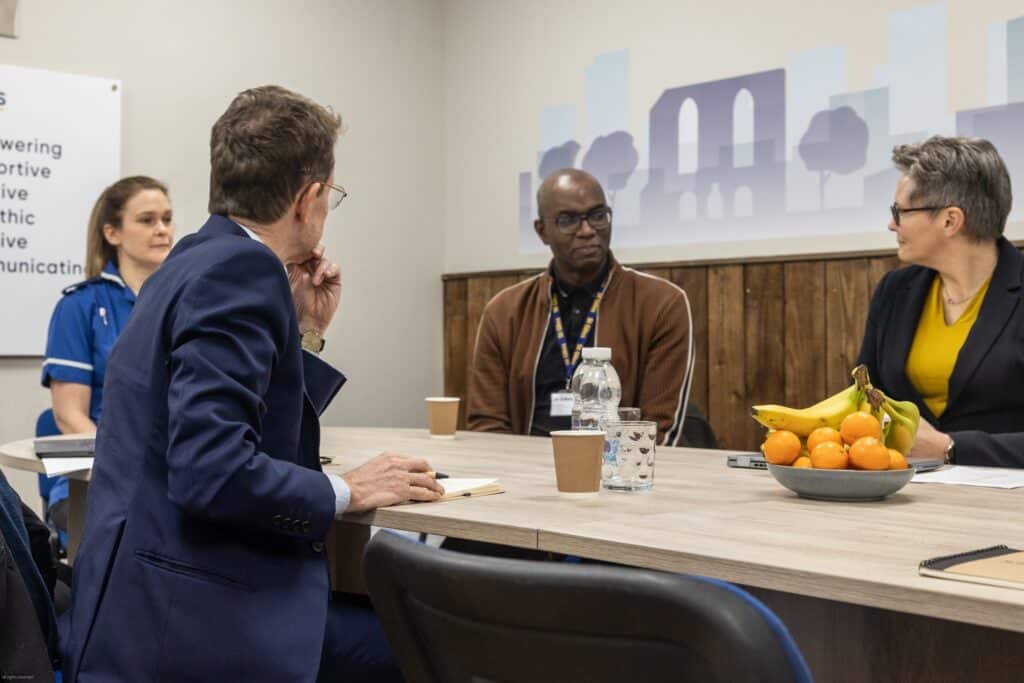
{"x":611,"y":450}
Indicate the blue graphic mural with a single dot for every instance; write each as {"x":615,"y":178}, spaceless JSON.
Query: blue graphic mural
{"x":783,"y":152}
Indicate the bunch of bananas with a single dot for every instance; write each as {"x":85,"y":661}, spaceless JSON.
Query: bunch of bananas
{"x":899,"y":419}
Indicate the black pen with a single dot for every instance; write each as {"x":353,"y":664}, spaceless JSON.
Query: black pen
{"x":437,"y":475}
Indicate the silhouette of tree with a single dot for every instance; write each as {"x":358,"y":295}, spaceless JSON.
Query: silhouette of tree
{"x":612,"y":159}
{"x":836,"y":141}
{"x":555,"y":158}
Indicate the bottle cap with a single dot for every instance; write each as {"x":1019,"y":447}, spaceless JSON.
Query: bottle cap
{"x":597,"y":353}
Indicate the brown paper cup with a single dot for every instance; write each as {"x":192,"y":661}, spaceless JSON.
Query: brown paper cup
{"x":442,"y":416}
{"x":578,"y":456}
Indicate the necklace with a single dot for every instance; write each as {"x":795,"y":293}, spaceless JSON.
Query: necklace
{"x":953,"y":302}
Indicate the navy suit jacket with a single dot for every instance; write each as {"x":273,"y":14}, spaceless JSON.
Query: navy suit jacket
{"x":985,"y":412}
{"x":202,"y":558}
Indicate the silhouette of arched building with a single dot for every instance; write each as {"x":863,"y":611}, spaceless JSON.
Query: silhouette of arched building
{"x":715,"y":101}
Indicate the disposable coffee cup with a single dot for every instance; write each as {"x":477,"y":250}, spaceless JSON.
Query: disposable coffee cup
{"x":578,"y":456}
{"x":442,"y":416}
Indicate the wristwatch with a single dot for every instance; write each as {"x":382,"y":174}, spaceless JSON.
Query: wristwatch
{"x":949,"y":455}
{"x":312,"y":341}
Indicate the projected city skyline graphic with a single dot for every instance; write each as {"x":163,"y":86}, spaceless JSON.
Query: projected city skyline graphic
{"x":785,"y":152}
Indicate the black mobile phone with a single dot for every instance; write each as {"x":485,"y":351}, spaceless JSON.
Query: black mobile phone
{"x":753,"y":461}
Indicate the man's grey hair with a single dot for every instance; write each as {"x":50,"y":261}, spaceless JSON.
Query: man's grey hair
{"x":963,"y":172}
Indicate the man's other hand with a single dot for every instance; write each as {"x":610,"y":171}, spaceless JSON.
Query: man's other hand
{"x":389,"y":479}
{"x":316,"y":289}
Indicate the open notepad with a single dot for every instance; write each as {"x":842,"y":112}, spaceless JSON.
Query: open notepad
{"x":469,"y":488}
{"x":995,"y":566}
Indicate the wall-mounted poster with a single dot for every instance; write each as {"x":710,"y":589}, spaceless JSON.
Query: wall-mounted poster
{"x":792,"y":150}
{"x":60,"y":145}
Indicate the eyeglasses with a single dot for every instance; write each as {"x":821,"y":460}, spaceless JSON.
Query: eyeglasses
{"x":335,"y":193}
{"x":896,"y":211}
{"x":599,"y":218}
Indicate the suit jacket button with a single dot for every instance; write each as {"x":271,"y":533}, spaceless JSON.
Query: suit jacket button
{"x":306,"y":526}
{"x":318,"y":547}
{"x":297,"y":526}
{"x":276,"y":521}
{"x":286,"y":522}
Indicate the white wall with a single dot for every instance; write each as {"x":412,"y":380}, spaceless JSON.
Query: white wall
{"x":379,"y":64}
{"x":506,"y":61}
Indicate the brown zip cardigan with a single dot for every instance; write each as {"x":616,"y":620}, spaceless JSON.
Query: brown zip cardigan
{"x":644,"y":319}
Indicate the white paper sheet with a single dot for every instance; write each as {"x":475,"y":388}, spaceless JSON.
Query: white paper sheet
{"x":55,"y":466}
{"x":992,"y":477}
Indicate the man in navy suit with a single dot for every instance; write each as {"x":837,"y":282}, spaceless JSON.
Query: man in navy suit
{"x":203,"y":553}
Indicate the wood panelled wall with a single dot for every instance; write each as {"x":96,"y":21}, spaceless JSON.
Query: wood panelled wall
{"x":785,"y":331}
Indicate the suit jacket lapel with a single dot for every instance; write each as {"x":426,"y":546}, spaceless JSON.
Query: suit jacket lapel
{"x":1000,"y":302}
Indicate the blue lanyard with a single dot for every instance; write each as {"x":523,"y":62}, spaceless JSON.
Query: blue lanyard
{"x":563,"y":343}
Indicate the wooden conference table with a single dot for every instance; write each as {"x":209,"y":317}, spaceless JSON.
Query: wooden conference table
{"x":842,"y":576}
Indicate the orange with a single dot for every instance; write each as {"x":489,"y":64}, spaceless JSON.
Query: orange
{"x":802,"y":461}
{"x":828,"y":455}
{"x":781,"y":447}
{"x":896,"y":460}
{"x":822,"y":434}
{"x":858,"y":425}
{"x":868,"y":453}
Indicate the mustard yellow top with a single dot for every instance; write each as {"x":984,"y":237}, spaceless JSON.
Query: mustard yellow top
{"x":937,"y":345}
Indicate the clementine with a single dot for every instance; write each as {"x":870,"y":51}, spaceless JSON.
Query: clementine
{"x":781,"y":447}
{"x":858,"y":425}
{"x":822,"y":434}
{"x":802,"y":461}
{"x":828,"y":455}
{"x":868,"y":453}
{"x":896,"y":460}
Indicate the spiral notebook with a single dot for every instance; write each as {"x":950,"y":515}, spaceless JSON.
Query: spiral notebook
{"x":995,"y":566}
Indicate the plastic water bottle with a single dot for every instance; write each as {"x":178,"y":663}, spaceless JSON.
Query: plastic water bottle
{"x":597,"y":391}
{"x":596,"y":388}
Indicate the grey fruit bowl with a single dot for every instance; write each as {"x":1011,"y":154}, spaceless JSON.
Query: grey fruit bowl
{"x":841,"y":485}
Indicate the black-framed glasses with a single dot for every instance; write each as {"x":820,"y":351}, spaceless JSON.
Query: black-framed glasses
{"x":599,"y":218}
{"x":896,"y":211}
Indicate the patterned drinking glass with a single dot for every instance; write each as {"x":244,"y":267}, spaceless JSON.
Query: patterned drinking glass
{"x":629,"y":455}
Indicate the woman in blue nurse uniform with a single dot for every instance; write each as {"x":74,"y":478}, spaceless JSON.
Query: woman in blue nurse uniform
{"x":130,"y":233}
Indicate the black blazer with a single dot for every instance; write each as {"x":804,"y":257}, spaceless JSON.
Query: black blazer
{"x":985,"y":412}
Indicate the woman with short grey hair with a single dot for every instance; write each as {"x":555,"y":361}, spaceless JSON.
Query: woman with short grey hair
{"x":948,"y":332}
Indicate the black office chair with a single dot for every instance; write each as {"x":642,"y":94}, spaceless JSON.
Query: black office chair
{"x":697,"y":432}
{"x":455,"y":618}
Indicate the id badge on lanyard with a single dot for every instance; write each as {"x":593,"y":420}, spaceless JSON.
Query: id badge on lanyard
{"x":562,"y":401}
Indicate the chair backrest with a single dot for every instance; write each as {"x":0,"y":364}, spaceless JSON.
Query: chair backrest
{"x":697,"y":432}
{"x":455,"y":618}
{"x":46,"y":425}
